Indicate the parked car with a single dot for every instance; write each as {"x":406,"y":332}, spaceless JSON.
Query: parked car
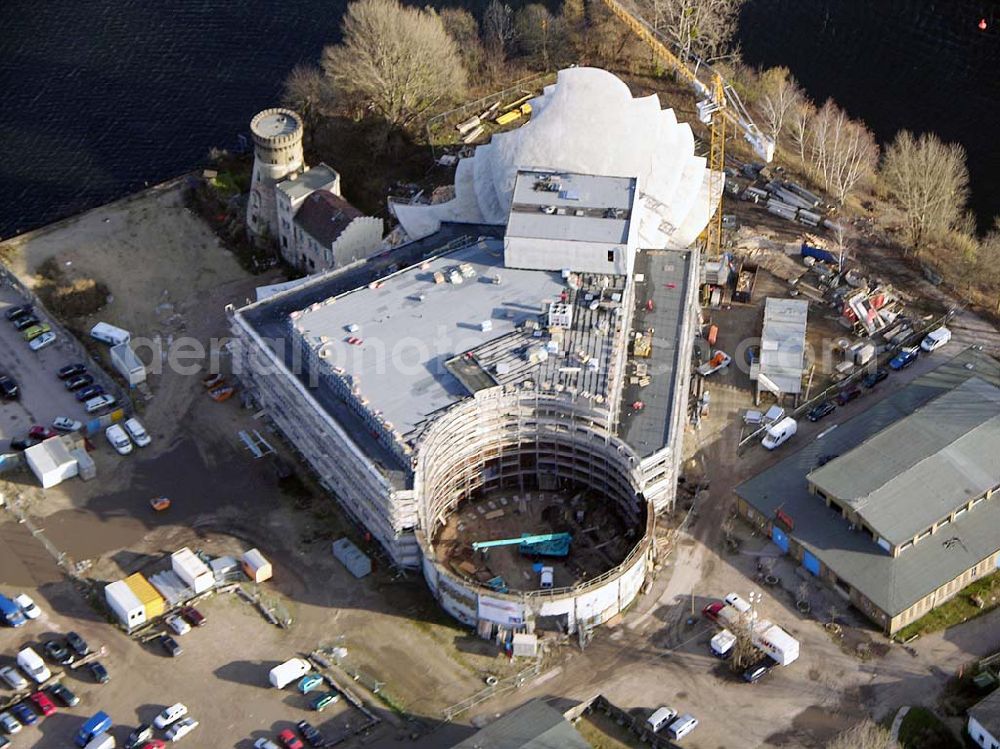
{"x":26,"y":321}
{"x":170,"y":715}
{"x":118,"y":439}
{"x":8,"y":388}
{"x":823,"y":409}
{"x":903,"y":359}
{"x":193,"y":617}
{"x":99,"y":403}
{"x":91,"y":391}
{"x":711,"y":611}
{"x":99,"y":672}
{"x":874,"y":378}
{"x":25,"y":714}
{"x":181,"y":728}
{"x":57,"y":652}
{"x":23,"y":444}
{"x":9,"y":723}
{"x":757,"y":671}
{"x":848,"y":394}
{"x":64,"y":694}
{"x":35,"y":331}
{"x":66,"y":424}
{"x":38,"y":432}
{"x":310,"y":682}
{"x":77,"y":643}
{"x":310,"y":733}
{"x":137,"y":432}
{"x":141,"y":734}
{"x":71,"y":370}
{"x":154,"y":744}
{"x":936,"y":339}
{"x":169,"y":644}
{"x":28,"y":607}
{"x":80,"y":381}
{"x":321,"y":701}
{"x":265,"y":744}
{"x":13,"y":678}
{"x":289,"y":740}
{"x":45,"y":339}
{"x":21,"y":310}
{"x":178,"y":625}
{"x":45,"y":705}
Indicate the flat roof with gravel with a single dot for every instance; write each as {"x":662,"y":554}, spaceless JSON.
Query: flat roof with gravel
{"x":893,"y":584}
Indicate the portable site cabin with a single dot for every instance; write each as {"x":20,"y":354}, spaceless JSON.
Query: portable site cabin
{"x":125,"y":605}
{"x":151,"y":600}
{"x":51,"y":462}
{"x":349,"y":555}
{"x":256,"y":566}
{"x":128,"y":364}
{"x":194,"y":572}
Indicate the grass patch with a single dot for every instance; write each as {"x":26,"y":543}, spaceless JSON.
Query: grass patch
{"x":603,"y":733}
{"x":972,"y":601}
{"x":922,"y":729}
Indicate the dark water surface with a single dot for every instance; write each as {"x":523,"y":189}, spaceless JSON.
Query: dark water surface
{"x":101,"y":97}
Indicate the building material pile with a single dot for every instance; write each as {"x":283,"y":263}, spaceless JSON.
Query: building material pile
{"x":869,"y":310}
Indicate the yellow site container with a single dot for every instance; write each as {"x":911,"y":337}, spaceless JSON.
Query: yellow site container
{"x":525,"y":109}
{"x":508,"y":117}
{"x":151,"y":600}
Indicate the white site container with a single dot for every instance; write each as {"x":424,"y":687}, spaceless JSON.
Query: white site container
{"x":292,"y":669}
{"x":256,"y":566}
{"x":194,"y":572}
{"x":349,"y":555}
{"x":51,"y":462}
{"x":125,"y":605}
{"x":128,"y":364}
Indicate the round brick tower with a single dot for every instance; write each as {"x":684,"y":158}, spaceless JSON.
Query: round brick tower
{"x":277,"y":139}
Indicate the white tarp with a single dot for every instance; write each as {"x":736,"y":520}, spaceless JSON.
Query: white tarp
{"x":51,"y":462}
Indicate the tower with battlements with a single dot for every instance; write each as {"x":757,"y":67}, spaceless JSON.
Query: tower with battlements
{"x":277,"y":138}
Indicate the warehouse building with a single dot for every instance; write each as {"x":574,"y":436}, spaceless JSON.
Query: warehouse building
{"x":903,"y":512}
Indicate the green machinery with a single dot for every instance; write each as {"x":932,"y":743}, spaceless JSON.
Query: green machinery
{"x":539,"y":545}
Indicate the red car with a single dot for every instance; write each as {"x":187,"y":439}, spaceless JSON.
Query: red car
{"x":44,"y":704}
{"x":39,"y":432}
{"x":289,"y":740}
{"x":193,"y":617}
{"x":155,"y":744}
{"x":711,"y":611}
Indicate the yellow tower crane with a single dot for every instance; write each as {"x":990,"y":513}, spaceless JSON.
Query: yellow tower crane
{"x":716,"y":97}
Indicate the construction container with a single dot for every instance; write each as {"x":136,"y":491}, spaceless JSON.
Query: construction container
{"x":194,"y":572}
{"x":224,"y":567}
{"x":256,"y":566}
{"x":349,"y":555}
{"x":87,"y":467}
{"x":151,"y":600}
{"x":51,"y":462}
{"x":128,"y":364}
{"x":524,"y":645}
{"x":125,"y":605}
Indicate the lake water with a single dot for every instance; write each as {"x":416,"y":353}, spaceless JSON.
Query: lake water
{"x":103,"y":97}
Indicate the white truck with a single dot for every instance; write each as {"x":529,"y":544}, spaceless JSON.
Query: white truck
{"x":766,"y":636}
{"x":719,"y":360}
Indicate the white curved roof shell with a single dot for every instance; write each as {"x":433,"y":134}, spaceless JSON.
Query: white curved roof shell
{"x":586,"y":122}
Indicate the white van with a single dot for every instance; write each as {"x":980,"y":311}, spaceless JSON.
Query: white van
{"x":682,"y":726}
{"x":660,"y":718}
{"x":137,"y":432}
{"x":118,"y":439}
{"x":778,"y":434}
{"x":110,"y":334}
{"x":936,"y":339}
{"x":33,"y":665}
{"x":102,"y":741}
{"x":545,"y":577}
{"x":737,"y":603}
{"x":283,"y":675}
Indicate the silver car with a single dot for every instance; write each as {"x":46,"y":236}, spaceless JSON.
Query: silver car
{"x":9,"y":723}
{"x":13,"y":677}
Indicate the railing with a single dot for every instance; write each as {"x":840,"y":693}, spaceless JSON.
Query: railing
{"x":501,"y":686}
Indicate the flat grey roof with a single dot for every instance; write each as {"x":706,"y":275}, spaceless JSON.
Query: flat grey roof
{"x":892,"y":584}
{"x":269,"y":319}
{"x":534,"y":725}
{"x":399,"y":364}
{"x":318,"y":177}
{"x":987,"y":712}
{"x":925,"y":466}
{"x":666,"y":275}
{"x":783,"y":341}
{"x":584,"y":208}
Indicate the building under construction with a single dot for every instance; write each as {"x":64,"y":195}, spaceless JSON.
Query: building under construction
{"x":479,"y":385}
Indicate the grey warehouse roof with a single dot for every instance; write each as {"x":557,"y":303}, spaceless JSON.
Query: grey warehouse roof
{"x":922,"y":468}
{"x":575,"y":207}
{"x":782,"y":343}
{"x":534,"y":725}
{"x":892,"y":584}
{"x":987,"y":712}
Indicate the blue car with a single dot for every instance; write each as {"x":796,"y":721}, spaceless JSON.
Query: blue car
{"x":25,"y":714}
{"x":903,"y":359}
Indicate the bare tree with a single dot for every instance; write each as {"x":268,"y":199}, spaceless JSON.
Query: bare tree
{"x":702,"y":28}
{"x":462,"y":26}
{"x":538,"y":33}
{"x":307,"y":91}
{"x":930,"y":181}
{"x":843,"y":152}
{"x":745,"y":652}
{"x":989,"y":261}
{"x":397,"y":60}
{"x":573,"y":19}
{"x":781,"y":96}
{"x":864,"y":735}
{"x":802,"y":115}
{"x":498,"y":35}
